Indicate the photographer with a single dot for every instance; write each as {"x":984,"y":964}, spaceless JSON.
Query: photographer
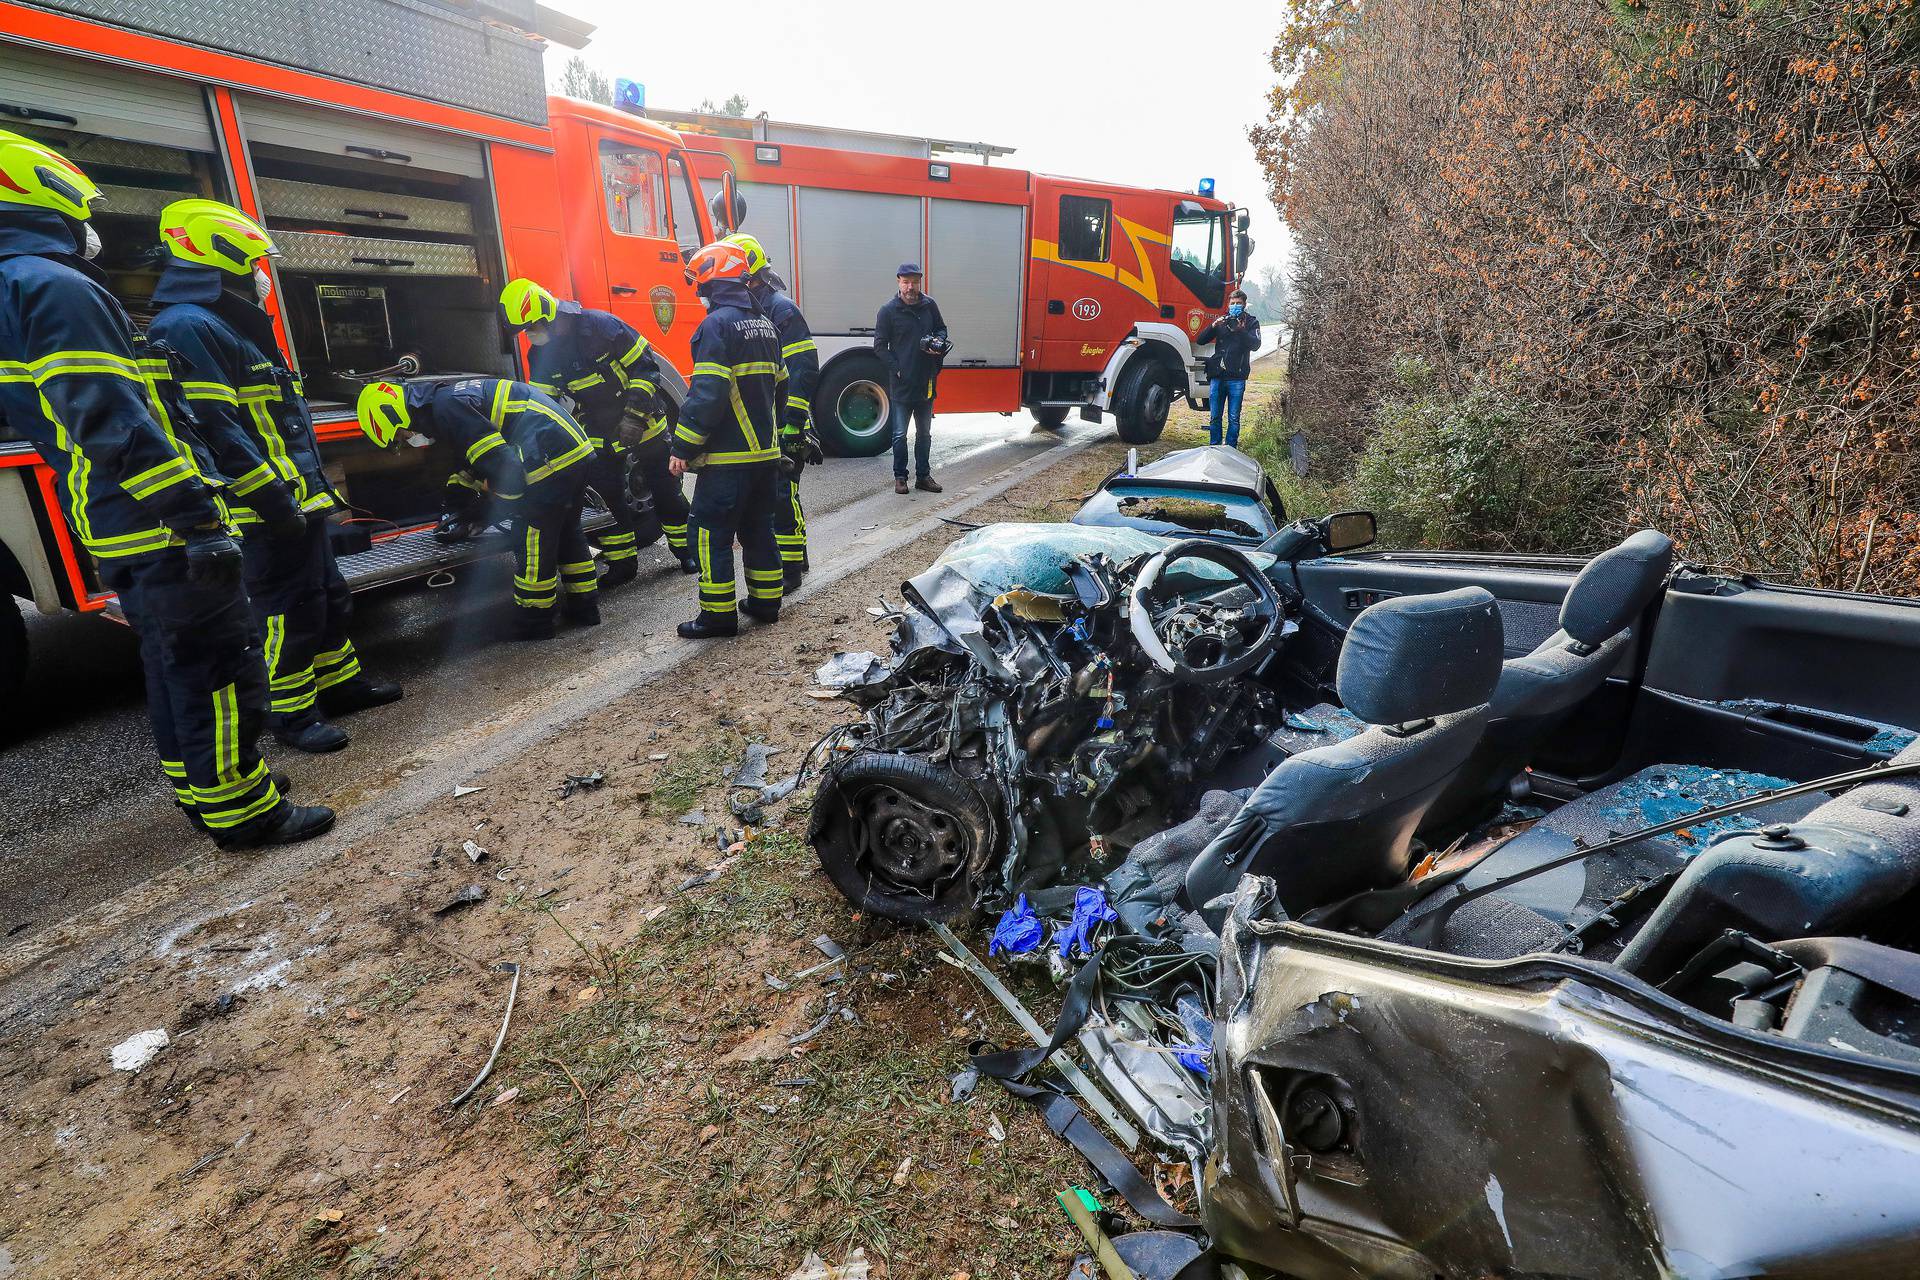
{"x":1235,"y":337}
{"x":911,"y":336}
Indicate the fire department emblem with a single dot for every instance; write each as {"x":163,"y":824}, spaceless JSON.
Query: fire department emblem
{"x":1086,"y":308}
{"x":1195,"y":321}
{"x":664,"y":306}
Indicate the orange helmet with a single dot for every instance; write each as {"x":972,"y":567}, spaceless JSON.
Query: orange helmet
{"x":718,"y":261}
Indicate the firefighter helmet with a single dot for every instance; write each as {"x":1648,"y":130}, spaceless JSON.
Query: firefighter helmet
{"x":210,"y":234}
{"x":526,"y":303}
{"x":757,"y":260}
{"x":720,"y":260}
{"x":383,"y":411}
{"x":38,"y":177}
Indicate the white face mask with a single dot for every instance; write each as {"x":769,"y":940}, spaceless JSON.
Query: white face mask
{"x":262,"y":282}
{"x":538,"y":335}
{"x":90,"y":244}
{"x":417,"y":441}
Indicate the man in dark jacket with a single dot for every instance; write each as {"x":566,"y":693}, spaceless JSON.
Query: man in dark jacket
{"x":250,"y":413}
{"x":74,"y":382}
{"x":911,"y":336}
{"x":729,"y":432}
{"x":609,"y":372}
{"x":532,"y":457}
{"x":1235,"y":337}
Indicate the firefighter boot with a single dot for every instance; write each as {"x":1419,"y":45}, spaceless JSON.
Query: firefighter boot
{"x":582,"y":612}
{"x":710,"y":626}
{"x":285,"y":824}
{"x":689,"y":563}
{"x":358,"y":694}
{"x":793,"y":572}
{"x":620,"y":572}
{"x":311,"y":735}
{"x":761,"y":610}
{"x":533,"y":624}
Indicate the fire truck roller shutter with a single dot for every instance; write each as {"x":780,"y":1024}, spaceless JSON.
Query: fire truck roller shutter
{"x":850,"y":243}
{"x":88,"y":97}
{"x":974,"y":255}
{"x":275,"y":122}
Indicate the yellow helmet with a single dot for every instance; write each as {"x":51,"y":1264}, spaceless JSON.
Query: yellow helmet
{"x":38,"y":177}
{"x":210,"y":234}
{"x":757,"y":260}
{"x":383,"y":411}
{"x":526,"y":303}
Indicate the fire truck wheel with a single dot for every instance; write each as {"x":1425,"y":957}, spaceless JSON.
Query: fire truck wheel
{"x":851,"y":407}
{"x":1052,"y":416}
{"x":1145,"y":397}
{"x":13,"y":650}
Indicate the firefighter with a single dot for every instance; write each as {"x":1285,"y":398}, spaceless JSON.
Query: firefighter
{"x":728,"y":432}
{"x":78,"y":383}
{"x":797,"y":444}
{"x":533,"y":458}
{"x":252,"y":416}
{"x":610,"y":374}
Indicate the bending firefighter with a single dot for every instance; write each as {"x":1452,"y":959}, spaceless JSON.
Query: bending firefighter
{"x":608,"y":372}
{"x":728,"y":433}
{"x":78,"y":384}
{"x":253,"y":418}
{"x":536,"y":462}
{"x":797,"y":444}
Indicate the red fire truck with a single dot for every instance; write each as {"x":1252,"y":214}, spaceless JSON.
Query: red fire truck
{"x":1060,"y":294}
{"x":408,"y":160}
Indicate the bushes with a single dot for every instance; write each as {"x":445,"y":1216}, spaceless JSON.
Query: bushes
{"x":1684,"y":235}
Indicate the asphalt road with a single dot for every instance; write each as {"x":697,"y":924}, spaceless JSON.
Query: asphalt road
{"x":83,"y":814}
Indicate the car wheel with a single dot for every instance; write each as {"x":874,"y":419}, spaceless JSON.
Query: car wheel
{"x":900,"y":837}
{"x":13,"y":651}
{"x":852,"y":409}
{"x":1144,"y":399}
{"x":1051,"y":416}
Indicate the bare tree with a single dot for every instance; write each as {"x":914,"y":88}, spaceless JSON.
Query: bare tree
{"x":578,"y":79}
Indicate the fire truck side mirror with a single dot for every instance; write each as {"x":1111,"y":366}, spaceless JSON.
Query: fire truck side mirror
{"x":1242,"y":219}
{"x":729,"y":207}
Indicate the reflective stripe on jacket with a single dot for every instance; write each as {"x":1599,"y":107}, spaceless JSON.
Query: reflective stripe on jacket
{"x":731,"y":417}
{"x":799,"y":354}
{"x":513,"y":435}
{"x":71,"y":382}
{"x":596,"y":359}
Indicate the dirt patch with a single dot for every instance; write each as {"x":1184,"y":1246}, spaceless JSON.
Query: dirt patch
{"x":660,"y":1109}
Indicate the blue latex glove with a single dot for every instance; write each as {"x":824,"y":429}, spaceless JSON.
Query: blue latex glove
{"x":1195,"y":1055}
{"x":1089,"y":909}
{"x":1018,"y":932}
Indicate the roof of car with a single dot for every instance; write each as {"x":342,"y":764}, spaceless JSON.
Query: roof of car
{"x":1215,"y":466}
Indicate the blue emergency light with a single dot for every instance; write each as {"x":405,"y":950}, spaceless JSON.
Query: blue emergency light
{"x":1205,"y":188}
{"x":630,"y":95}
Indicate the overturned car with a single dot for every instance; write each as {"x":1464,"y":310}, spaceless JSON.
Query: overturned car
{"x":1473,"y":915}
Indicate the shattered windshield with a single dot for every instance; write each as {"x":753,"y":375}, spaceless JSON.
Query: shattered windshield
{"x":1179,"y":511}
{"x":1003,"y":557}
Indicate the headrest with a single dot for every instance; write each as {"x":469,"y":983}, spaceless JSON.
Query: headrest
{"x":1615,"y":587}
{"x":1416,"y":657}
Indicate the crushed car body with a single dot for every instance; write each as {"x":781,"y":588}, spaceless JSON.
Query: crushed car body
{"x":1453,"y":914}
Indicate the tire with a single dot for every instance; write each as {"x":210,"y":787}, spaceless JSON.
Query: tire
{"x":900,"y":837}
{"x":851,"y":408}
{"x":13,"y":651}
{"x":1144,"y":399}
{"x":1051,"y":416}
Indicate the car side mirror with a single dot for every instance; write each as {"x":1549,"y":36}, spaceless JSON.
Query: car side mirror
{"x":1242,"y":219}
{"x":1242,"y":253}
{"x":728,"y":206}
{"x":1350,"y":530}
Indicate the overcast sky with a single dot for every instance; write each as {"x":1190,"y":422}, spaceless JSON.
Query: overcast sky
{"x":1146,"y":93}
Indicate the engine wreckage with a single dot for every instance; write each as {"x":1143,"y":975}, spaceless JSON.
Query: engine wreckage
{"x":1379,"y":895}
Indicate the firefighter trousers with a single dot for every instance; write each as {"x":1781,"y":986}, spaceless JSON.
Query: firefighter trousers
{"x":650,"y":458}
{"x":301,"y":607}
{"x":789,"y":521}
{"x":206,"y":687}
{"x":632,"y":528}
{"x":729,"y":503}
{"x":552,"y":554}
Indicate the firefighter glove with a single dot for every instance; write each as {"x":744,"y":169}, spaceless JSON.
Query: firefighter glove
{"x":816,"y":454}
{"x":213,"y":559}
{"x":288,"y":524}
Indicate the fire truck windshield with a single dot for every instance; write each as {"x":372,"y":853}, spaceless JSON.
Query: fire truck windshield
{"x":1199,"y":254}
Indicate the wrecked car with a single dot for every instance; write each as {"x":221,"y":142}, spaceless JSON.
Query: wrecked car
{"x":1461,"y":914}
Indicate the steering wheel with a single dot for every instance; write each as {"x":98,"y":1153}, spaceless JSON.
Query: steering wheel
{"x":1266,"y":605}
